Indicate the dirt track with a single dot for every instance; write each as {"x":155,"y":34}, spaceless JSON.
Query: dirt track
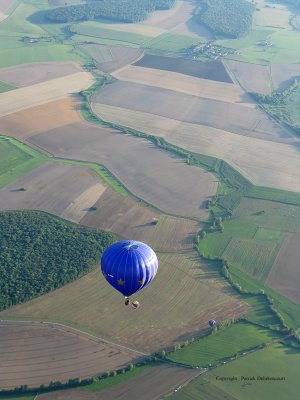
{"x":151,"y":385}
{"x":34,"y":353}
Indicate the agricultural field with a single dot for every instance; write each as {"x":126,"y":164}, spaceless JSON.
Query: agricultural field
{"x":186,"y":293}
{"x":157,"y":177}
{"x":16,"y":160}
{"x":273,"y":16}
{"x":14,"y":51}
{"x":190,"y":85}
{"x":67,"y":191}
{"x":224,"y":344}
{"x":44,"y":92}
{"x":111,"y":58}
{"x":33,"y":354}
{"x":30,"y":74}
{"x":5,"y":87}
{"x":29,"y":122}
{"x":273,"y":361}
{"x":212,"y":70}
{"x":251,"y":77}
{"x":284,"y":276}
{"x":252,"y":239}
{"x":149,"y":385}
{"x":131,"y":219}
{"x":262,"y":162}
{"x":232,"y":117}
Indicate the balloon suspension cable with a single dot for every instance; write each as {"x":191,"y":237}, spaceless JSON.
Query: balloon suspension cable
{"x":126,"y":301}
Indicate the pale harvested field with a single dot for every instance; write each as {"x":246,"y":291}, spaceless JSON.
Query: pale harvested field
{"x":33,"y":354}
{"x":45,"y":92}
{"x":283,"y":74}
{"x":251,"y":77}
{"x":285,"y":273}
{"x":64,"y":190}
{"x":265,"y":163}
{"x":5,"y":4}
{"x":2,"y":16}
{"x":206,"y":88}
{"x":156,"y":176}
{"x":231,"y":117}
{"x":26,"y":123}
{"x":30,"y":74}
{"x":132,"y":220}
{"x":140,"y":29}
{"x":121,"y":56}
{"x":151,"y":385}
{"x":178,"y":304}
{"x":277,"y":17}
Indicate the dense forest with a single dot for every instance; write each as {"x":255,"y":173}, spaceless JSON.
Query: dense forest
{"x":124,"y":11}
{"x":39,"y":253}
{"x":231,"y":17}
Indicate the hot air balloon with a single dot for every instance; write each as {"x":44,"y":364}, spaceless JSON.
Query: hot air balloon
{"x":212,"y":323}
{"x":129,"y":266}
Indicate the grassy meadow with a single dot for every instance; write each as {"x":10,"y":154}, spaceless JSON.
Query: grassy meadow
{"x":223,"y":344}
{"x":276,"y":361}
{"x":16,"y":160}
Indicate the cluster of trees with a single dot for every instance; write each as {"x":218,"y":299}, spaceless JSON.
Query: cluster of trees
{"x":124,"y":11}
{"x":277,"y":105}
{"x":39,"y":253}
{"x":231,"y":17}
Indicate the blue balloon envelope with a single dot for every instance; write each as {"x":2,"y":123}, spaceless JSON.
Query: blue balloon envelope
{"x":212,"y":323}
{"x":129,"y":266}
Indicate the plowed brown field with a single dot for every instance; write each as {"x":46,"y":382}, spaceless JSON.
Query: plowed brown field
{"x":64,"y":190}
{"x":130,"y":219}
{"x":33,"y":354}
{"x":263,"y":162}
{"x":156,"y":176}
{"x":30,"y":74}
{"x":42,"y":93}
{"x":151,"y":385}
{"x":185,"y":84}
{"x":284,"y":276}
{"x":231,"y":117}
{"x":26,"y":123}
{"x":178,"y":304}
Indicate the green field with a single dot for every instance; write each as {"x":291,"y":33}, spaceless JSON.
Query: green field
{"x":91,"y":29}
{"x":262,"y":313}
{"x":273,"y":361}
{"x":97,"y":52}
{"x":14,"y":51}
{"x":5,"y":87}
{"x":222,"y":345}
{"x":168,"y":43}
{"x":285,"y":46}
{"x":16,"y":160}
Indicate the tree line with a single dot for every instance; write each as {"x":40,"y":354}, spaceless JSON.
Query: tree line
{"x":232,"y":18}
{"x":40,"y":253}
{"x":125,"y":11}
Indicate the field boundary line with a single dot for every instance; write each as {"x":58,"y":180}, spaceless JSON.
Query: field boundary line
{"x":58,"y":324}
